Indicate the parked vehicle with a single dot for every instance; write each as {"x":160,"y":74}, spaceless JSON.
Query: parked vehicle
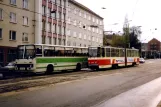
{"x":142,"y":60}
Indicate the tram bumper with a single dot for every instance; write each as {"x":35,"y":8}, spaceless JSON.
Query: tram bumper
{"x":93,"y":66}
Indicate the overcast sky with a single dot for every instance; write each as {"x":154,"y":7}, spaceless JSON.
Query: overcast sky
{"x":145,"y":13}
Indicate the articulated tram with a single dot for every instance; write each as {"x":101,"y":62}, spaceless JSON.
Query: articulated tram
{"x":106,"y":57}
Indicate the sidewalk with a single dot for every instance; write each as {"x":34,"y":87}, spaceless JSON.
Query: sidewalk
{"x":147,"y":95}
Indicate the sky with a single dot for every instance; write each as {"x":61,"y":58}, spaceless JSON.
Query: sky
{"x":144,"y":13}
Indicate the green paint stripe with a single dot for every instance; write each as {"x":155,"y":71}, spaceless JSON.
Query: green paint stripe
{"x":57,"y":60}
{"x":56,"y":66}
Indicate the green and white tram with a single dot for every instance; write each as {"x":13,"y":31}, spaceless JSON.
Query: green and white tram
{"x":49,"y":58}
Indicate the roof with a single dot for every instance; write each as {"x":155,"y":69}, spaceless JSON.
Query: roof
{"x":154,"y":39}
{"x":84,"y":8}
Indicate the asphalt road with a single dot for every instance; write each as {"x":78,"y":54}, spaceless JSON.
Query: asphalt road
{"x":85,"y":92}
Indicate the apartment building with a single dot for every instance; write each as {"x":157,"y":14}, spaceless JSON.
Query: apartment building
{"x":84,"y":27}
{"x":54,"y":22}
{"x":50,"y":22}
{"x":16,"y":27}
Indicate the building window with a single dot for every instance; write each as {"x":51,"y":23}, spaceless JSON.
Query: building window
{"x":25,"y":37}
{"x":101,"y":41}
{"x":49,"y":12}
{"x":89,"y":38}
{"x":68,"y":33}
{"x":89,"y":28}
{"x":54,"y":28}
{"x":74,"y":34}
{"x":49,"y":40}
{"x":93,"y":19}
{"x":75,"y":23}
{"x":100,"y":22}
{"x":64,"y":31}
{"x":74,"y":43}
{"x":43,"y":10}
{"x":63,"y":17}
{"x":69,"y":19}
{"x":80,"y":24}
{"x":0,"y":33}
{"x":85,"y":36}
{"x":12,"y":35}
{"x":101,"y":32}
{"x":59,"y":16}
{"x":59,"y":41}
{"x":97,"y":21}
{"x":13,"y":17}
{"x":54,"y":39}
{"x":93,"y":29}
{"x":97,"y":30}
{"x":53,"y":15}
{"x":59,"y":28}
{"x":49,"y":27}
{"x":64,"y":42}
{"x":89,"y":17}
{"x":68,"y":43}
{"x":25,"y":20}
{"x":97,"y":40}
{"x":80,"y":35}
{"x":85,"y":16}
{"x":1,"y":14}
{"x":43,"y":25}
{"x":54,"y":1}
{"x":13,"y":2}
{"x":25,"y":4}
{"x":43,"y":39}
{"x":80,"y":13}
{"x":92,"y":38}
{"x":59,"y":2}
{"x":75,"y":11}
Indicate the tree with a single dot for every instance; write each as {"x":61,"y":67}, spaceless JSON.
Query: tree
{"x":135,"y":33}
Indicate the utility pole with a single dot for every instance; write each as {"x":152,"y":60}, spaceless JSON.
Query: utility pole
{"x":126,"y":34}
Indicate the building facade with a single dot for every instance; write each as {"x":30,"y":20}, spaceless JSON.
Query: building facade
{"x":67,"y":22}
{"x":154,"y":45}
{"x":152,"y":49}
{"x":85,"y":28}
{"x":50,"y":22}
{"x":54,"y":22}
{"x":16,"y":27}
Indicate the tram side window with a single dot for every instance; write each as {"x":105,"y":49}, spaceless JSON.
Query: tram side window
{"x":128,"y":53}
{"x":117,"y":52}
{"x":114,"y":52}
{"x":132,"y":53}
{"x":103,"y":52}
{"x":122,"y":54}
{"x":108,"y":52}
{"x":98,"y":52}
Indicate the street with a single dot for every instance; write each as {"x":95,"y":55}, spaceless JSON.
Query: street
{"x":85,"y":92}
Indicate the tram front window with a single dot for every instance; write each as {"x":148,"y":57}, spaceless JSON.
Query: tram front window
{"x":93,"y":52}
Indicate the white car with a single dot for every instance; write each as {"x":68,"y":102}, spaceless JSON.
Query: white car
{"x":141,"y":60}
